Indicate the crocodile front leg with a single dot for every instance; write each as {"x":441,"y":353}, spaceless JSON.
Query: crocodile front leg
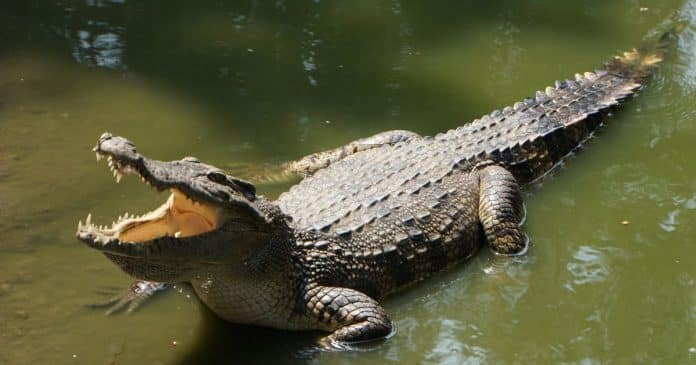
{"x":351,"y":315}
{"x":501,"y":210}
{"x":131,"y":299}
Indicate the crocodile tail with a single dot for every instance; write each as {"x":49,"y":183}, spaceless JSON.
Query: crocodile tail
{"x":636,"y":65}
{"x":559,"y":119}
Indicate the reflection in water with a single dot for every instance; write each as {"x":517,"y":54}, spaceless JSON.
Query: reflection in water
{"x":96,"y":43}
{"x":102,"y":50}
{"x":590,"y":266}
{"x":506,"y":56}
{"x":310,"y":45}
{"x":687,"y":47}
{"x":669,"y":224}
{"x":636,"y":183}
{"x":406,"y":50}
{"x":683,"y":85}
{"x":671,"y":221}
{"x":690,"y":203}
{"x":448,"y":349}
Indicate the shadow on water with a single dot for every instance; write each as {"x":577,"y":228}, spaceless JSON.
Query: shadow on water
{"x":218,"y":341}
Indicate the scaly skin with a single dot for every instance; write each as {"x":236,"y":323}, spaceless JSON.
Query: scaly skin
{"x":370,"y":217}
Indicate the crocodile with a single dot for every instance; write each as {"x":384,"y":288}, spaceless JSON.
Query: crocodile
{"x":366,"y":220}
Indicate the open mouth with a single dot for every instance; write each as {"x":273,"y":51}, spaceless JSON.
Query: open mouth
{"x":179,"y":217}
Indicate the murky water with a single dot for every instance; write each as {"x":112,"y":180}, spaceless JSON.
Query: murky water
{"x":264,"y":82}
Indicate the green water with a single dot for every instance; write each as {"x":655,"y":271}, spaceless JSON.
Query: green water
{"x":265,"y":82}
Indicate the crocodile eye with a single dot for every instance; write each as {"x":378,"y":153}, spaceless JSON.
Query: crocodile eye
{"x":217,"y":177}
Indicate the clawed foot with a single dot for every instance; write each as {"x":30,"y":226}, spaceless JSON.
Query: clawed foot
{"x":356,"y":318}
{"x":131,"y":298}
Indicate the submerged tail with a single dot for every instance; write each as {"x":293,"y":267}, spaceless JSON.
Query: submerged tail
{"x":531,"y":137}
{"x":592,"y":96}
{"x":637,"y":64}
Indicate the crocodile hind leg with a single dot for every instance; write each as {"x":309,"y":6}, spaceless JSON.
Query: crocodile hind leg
{"x":131,"y":298}
{"x":309,"y":164}
{"x":501,"y":210}
{"x":352,"y":316}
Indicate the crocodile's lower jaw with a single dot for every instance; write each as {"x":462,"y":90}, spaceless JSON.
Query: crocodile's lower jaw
{"x":178,"y":217}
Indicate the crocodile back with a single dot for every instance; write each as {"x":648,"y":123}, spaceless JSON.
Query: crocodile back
{"x":528,"y":138}
{"x":371,"y":184}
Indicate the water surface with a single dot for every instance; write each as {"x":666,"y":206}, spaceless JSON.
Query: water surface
{"x":258,"y":83}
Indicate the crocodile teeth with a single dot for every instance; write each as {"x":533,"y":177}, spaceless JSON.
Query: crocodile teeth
{"x":79,"y":225}
{"x":88,"y":221}
{"x":99,"y":156}
{"x":119,"y":176}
